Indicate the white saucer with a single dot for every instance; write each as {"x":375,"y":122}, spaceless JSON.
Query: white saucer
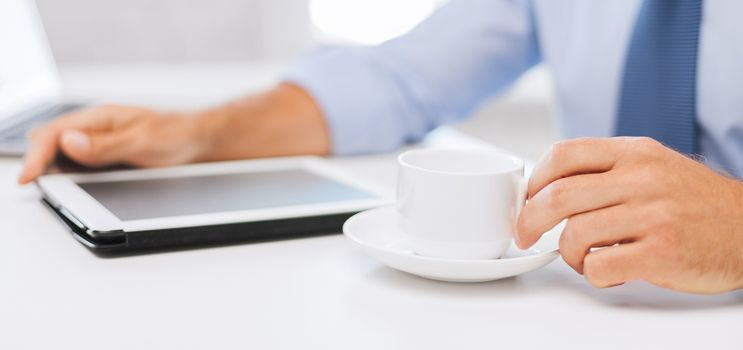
{"x":377,"y":233}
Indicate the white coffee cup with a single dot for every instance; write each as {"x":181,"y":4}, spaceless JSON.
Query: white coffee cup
{"x":459,"y":204}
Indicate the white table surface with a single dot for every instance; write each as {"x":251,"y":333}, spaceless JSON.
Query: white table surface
{"x":306,"y":293}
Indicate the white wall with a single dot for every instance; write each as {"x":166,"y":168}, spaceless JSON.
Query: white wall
{"x":83,"y":31}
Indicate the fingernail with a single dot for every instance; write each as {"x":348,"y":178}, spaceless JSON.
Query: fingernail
{"x":77,"y":140}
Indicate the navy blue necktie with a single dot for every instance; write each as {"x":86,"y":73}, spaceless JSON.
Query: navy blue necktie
{"x":658,"y":96}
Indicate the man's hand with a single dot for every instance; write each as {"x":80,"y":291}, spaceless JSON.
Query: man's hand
{"x":114,"y":134}
{"x":637,"y":210}
{"x":281,"y":121}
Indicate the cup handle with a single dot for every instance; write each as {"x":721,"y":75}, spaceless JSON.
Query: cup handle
{"x":521,"y":192}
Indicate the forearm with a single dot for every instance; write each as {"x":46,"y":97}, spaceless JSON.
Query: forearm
{"x":282,"y":121}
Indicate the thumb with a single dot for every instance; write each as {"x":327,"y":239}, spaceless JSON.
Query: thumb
{"x":94,"y":148}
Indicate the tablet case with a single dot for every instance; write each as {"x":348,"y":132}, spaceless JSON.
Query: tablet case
{"x":201,"y":236}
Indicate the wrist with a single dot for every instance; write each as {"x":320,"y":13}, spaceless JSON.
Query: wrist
{"x":178,"y":137}
{"x":282,"y":121}
{"x":200,"y":130}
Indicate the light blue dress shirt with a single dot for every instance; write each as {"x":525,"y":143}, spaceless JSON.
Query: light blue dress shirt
{"x":378,"y":98}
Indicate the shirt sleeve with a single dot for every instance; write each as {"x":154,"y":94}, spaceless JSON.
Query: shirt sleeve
{"x":380,"y":97}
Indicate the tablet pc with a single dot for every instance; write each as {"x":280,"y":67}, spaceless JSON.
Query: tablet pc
{"x":210,"y":203}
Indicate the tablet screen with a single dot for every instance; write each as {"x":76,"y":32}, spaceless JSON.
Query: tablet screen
{"x":157,"y":198}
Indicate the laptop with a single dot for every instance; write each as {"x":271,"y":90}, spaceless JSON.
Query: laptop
{"x":29,"y":83}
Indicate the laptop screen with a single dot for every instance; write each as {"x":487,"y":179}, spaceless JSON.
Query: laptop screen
{"x":28,"y":75}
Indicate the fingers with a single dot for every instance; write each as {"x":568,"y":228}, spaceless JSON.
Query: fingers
{"x":42,"y":151}
{"x":97,"y":148}
{"x":601,"y":228}
{"x":616,"y":265}
{"x":98,"y":118}
{"x":45,"y":142}
{"x":578,"y":156}
{"x":565,"y":198}
{"x":585,"y":155}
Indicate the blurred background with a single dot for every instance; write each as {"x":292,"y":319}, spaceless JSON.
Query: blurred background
{"x":225,"y":33}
